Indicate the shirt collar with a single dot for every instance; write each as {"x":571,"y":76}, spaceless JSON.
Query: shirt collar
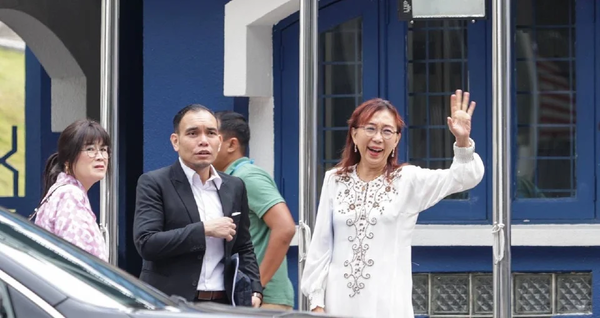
{"x":235,"y":164}
{"x":64,"y":178}
{"x":189,"y":173}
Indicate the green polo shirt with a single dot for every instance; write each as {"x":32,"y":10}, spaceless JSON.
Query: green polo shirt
{"x":262,"y":195}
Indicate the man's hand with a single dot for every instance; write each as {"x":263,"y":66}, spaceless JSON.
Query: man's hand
{"x":319,"y":310}
{"x":222,"y":227}
{"x":256,"y":302}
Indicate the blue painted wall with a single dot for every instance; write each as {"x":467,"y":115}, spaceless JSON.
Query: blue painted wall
{"x":40,"y":142}
{"x":183,"y":64}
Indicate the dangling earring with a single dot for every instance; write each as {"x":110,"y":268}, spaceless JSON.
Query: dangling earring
{"x":355,"y":150}
{"x":393,"y":150}
{"x":66,"y":169}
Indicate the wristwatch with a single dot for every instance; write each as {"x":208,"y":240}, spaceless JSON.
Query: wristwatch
{"x":259,"y":296}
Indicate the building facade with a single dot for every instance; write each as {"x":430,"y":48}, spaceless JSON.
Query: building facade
{"x":243,"y":55}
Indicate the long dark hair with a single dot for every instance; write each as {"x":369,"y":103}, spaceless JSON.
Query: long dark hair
{"x":361,"y":115}
{"x":71,"y":142}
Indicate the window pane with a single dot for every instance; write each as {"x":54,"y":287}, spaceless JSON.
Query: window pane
{"x":446,"y":76}
{"x":441,"y":144}
{"x":417,"y":110}
{"x":437,"y":66}
{"x":343,"y":42}
{"x":340,"y":79}
{"x":335,"y":141}
{"x":545,"y":100}
{"x":439,"y":110}
{"x":337,"y":111}
{"x":340,"y":89}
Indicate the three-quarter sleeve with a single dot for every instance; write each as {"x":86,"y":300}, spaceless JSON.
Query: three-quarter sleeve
{"x":316,"y":269}
{"x":430,"y":186}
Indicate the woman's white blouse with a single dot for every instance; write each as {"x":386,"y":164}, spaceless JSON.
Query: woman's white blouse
{"x":359,"y":259}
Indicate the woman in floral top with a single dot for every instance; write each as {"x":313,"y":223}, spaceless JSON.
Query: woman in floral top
{"x":359,"y":260}
{"x":81,"y":161}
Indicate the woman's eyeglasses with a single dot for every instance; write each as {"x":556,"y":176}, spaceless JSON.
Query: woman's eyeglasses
{"x":371,"y":131}
{"x":92,"y":152}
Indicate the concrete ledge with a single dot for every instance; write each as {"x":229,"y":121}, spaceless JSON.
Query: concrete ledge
{"x":248,"y":54}
{"x":522,"y":235}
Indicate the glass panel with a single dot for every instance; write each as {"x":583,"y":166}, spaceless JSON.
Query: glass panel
{"x":417,"y":142}
{"x":418,"y":45}
{"x":445,"y":43}
{"x":340,"y":89}
{"x":335,"y":141}
{"x":441,"y":143}
{"x":523,"y":37}
{"x":342,"y":43}
{"x":446,"y":76}
{"x":417,"y":110}
{"x":553,"y":12}
{"x":439,"y":110}
{"x":450,"y":294}
{"x":574,"y":293}
{"x":483,"y":294}
{"x":533,"y":294}
{"x":417,"y":73}
{"x":553,"y":42}
{"x":337,"y":111}
{"x":420,"y":296}
{"x":339,"y":79}
{"x":545,"y":100}
{"x":437,"y":66}
{"x":525,"y":15}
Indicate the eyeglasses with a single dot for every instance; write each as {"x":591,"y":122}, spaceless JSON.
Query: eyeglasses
{"x":92,"y":152}
{"x":371,"y":131}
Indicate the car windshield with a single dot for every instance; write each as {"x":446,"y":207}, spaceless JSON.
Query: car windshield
{"x":79,"y":274}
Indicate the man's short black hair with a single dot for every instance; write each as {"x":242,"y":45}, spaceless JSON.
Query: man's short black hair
{"x":185,"y":110}
{"x":232,"y":124}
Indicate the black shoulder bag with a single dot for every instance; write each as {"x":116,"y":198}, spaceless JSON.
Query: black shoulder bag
{"x":32,"y":215}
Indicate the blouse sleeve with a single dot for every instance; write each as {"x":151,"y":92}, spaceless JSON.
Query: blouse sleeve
{"x":431,"y":186}
{"x":314,"y":277}
{"x":71,"y":224}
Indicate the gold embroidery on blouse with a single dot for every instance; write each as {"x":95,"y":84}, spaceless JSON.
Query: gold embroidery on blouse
{"x":362,"y":202}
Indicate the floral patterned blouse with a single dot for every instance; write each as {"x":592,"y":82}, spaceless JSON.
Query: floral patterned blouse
{"x":67,"y":213}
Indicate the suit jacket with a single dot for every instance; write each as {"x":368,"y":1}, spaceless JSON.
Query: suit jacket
{"x":170,"y":237}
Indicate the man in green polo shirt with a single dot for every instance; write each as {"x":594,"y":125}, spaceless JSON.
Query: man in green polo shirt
{"x":271,"y":224}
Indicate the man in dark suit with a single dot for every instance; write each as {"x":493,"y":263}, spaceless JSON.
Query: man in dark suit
{"x":190,"y":219}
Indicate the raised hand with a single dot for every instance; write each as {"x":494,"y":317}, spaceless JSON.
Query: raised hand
{"x":460,"y":122}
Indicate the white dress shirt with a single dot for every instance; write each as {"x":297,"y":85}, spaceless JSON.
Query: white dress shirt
{"x":209,"y":207}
